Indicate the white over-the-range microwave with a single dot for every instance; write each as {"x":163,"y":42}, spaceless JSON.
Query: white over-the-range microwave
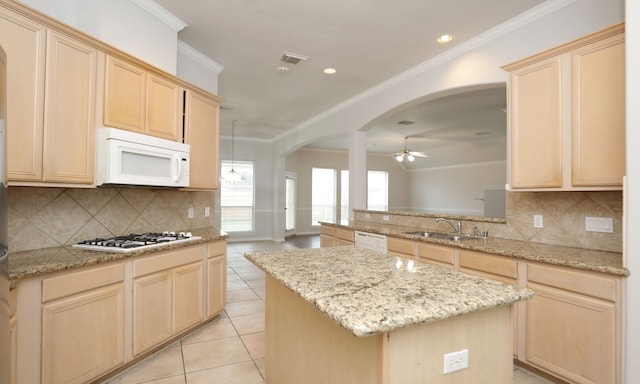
{"x":129,"y":158}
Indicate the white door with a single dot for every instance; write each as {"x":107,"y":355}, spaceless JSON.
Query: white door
{"x":290,"y":204}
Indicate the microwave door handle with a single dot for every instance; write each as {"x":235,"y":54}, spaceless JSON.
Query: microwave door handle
{"x":178,"y":168}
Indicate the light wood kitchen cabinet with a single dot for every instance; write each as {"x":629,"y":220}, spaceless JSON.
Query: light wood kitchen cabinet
{"x":24,"y":42}
{"x":566,"y":116}
{"x":49,"y":139}
{"x":327,"y":236}
{"x":139,"y":101}
{"x":573,"y":324}
{"x":82,"y":324}
{"x":436,"y":255}
{"x":344,"y":237}
{"x":69,"y":127}
{"x":216,"y":278}
{"x":202,"y":134}
{"x":168,"y":295}
{"x":400,"y":247}
{"x":495,"y":267}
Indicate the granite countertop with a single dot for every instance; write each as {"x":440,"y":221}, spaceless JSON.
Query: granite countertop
{"x":368,"y":292}
{"x":579,"y":258}
{"x":39,"y":262}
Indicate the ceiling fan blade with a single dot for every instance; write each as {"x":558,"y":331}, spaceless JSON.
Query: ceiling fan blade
{"x":418,"y":154}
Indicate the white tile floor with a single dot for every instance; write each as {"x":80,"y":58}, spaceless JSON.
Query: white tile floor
{"x":229,"y":350}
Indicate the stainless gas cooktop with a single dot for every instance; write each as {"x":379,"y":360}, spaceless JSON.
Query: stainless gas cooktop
{"x":135,"y":242}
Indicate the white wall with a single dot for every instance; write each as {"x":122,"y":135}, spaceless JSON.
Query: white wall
{"x":455,"y":190}
{"x":632,"y":202}
{"x":120,"y":23}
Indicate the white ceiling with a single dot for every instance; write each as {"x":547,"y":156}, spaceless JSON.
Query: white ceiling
{"x":367,"y":42}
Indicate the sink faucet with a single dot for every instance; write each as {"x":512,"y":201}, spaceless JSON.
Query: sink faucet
{"x":457,"y":227}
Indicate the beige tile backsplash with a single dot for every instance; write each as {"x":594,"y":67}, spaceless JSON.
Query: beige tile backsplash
{"x":564,"y":216}
{"x":50,"y":217}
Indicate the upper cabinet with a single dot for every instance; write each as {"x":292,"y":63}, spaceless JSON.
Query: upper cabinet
{"x":63,"y":84}
{"x":51,"y":107}
{"x":566,"y":116}
{"x":139,"y":101}
{"x":201,"y":133}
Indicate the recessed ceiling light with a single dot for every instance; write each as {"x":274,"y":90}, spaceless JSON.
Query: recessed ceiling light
{"x":445,"y":39}
{"x":329,"y":71}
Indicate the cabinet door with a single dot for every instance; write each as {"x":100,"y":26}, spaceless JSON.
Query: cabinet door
{"x":571,"y":336}
{"x":13,"y":339}
{"x":152,"y":310}
{"x":201,"y":133}
{"x":535,"y":126}
{"x":24,"y":43}
{"x":125,"y":96}
{"x":327,"y":241}
{"x":69,"y":125}
{"x":436,"y":255}
{"x":164,"y":109}
{"x":188,"y":296}
{"x":598,"y":95}
{"x":400,"y":247}
{"x":217,"y":285}
{"x":83,"y":335}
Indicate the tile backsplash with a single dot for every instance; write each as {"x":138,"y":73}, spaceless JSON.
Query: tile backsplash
{"x":564,"y":216}
{"x":50,"y":217}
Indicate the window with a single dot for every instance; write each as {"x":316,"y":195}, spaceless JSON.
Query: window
{"x":344,"y":195}
{"x":377,"y":190}
{"x":323,"y":195}
{"x":237,"y":200}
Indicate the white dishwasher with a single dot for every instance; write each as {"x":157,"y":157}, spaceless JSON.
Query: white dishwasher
{"x":372,"y":241}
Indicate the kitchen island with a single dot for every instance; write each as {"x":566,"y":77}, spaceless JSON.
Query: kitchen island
{"x":350,"y":315}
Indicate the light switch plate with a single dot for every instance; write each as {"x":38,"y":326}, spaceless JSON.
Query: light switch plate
{"x":538,"y":221}
{"x":599,"y":224}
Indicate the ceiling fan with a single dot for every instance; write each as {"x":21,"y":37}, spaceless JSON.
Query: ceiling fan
{"x":408,"y":154}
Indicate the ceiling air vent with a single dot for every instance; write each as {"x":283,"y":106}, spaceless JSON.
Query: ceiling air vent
{"x":293,"y":58}
{"x":406,"y":122}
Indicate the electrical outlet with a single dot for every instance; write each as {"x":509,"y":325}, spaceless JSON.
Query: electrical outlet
{"x":385,"y":218}
{"x":207,"y":211}
{"x":190,"y":213}
{"x":456,"y":361}
{"x":537,"y":221}
{"x":599,"y":224}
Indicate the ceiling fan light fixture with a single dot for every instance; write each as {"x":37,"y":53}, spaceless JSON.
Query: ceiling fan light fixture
{"x":410,"y":157}
{"x":399,"y":158}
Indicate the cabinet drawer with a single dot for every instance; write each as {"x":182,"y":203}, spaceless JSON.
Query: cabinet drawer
{"x":170,"y":259}
{"x":436,"y":253}
{"x":483,"y":262}
{"x":602,"y":287}
{"x":395,"y":245}
{"x":218,"y":248}
{"x":345,"y":234}
{"x":76,"y":282}
{"x":327,"y":230}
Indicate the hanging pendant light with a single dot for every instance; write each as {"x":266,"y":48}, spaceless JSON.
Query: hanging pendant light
{"x":232,"y":177}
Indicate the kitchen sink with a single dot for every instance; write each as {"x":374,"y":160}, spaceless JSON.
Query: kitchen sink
{"x":438,"y":235}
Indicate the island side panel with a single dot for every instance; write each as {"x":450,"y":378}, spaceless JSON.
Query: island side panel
{"x":416,"y":354}
{"x":305,"y":346}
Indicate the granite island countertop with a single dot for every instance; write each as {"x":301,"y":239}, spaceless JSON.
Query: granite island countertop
{"x":368,"y":292}
{"x":579,"y":258}
{"x":38,"y":262}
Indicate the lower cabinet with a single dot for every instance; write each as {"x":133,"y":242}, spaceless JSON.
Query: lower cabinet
{"x":82,"y":324}
{"x":336,"y":237}
{"x":216,"y":278}
{"x":168,"y":296}
{"x":400,"y":247}
{"x":572,"y":324}
{"x":76,"y":326}
{"x":436,"y":255}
